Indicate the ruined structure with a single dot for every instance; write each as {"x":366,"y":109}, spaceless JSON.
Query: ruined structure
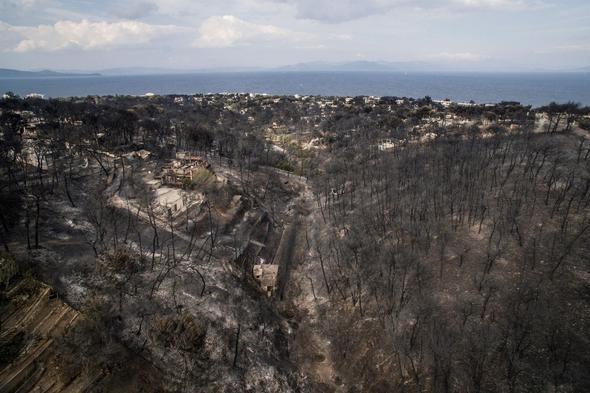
{"x":183,"y":169}
{"x":266,"y":276}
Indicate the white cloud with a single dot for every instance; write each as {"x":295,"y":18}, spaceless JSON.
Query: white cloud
{"x":215,"y":32}
{"x":85,"y":35}
{"x":228,"y":30}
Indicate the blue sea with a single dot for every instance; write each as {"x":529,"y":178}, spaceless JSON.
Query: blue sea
{"x":527,"y":88}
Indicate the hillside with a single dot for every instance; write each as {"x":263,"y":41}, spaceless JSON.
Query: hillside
{"x":254,"y":243}
{"x":10,"y":73}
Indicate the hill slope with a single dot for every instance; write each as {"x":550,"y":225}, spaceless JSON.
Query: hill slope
{"x":10,"y":73}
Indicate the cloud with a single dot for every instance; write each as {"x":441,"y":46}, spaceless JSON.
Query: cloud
{"x":215,"y":32}
{"x":346,"y":10}
{"x":228,"y":31}
{"x":85,"y":35}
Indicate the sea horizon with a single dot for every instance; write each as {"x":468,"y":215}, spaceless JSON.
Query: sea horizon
{"x":528,"y":88}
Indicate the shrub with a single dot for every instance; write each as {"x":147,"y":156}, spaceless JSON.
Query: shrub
{"x":180,"y":331}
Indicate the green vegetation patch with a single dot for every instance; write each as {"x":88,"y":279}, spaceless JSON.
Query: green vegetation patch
{"x":203,"y":180}
{"x":284,"y":165}
{"x":584,"y":123}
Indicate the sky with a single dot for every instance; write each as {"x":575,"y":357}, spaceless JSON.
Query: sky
{"x":477,"y":35}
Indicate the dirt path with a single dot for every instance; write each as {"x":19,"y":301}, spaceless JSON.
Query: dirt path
{"x":311,"y":347}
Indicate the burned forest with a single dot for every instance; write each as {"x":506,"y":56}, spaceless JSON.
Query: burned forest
{"x":256,"y":243}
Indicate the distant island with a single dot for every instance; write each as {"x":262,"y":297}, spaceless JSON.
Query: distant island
{"x":363,"y":66}
{"x":10,"y":73}
{"x":398,"y":66}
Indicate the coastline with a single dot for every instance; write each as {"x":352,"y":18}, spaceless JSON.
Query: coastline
{"x":529,"y":89}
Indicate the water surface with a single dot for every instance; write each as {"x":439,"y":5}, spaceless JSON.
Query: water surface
{"x":534,"y":88}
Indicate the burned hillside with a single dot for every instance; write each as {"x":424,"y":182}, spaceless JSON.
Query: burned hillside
{"x":293,"y":244}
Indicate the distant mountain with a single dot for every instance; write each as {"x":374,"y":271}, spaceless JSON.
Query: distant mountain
{"x":351,"y":66}
{"x":363,"y":66}
{"x":355,"y":66}
{"x":9,"y":73}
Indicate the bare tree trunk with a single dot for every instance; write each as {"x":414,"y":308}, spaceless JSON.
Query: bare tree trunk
{"x":37,"y":213}
{"x":235,"y":362}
